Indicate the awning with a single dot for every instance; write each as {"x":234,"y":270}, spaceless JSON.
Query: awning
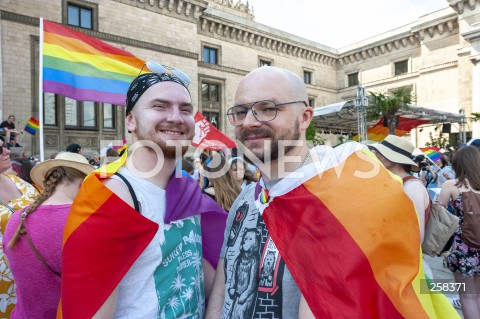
{"x":341,"y":118}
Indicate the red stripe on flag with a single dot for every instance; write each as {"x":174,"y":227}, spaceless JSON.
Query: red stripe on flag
{"x":55,"y":28}
{"x":109,"y":242}
{"x":342,"y":281}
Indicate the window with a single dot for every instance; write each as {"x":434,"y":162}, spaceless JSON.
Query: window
{"x":211,"y":98}
{"x":352,"y":79}
{"x":80,"y":114}
{"x":108,"y":115}
{"x":80,"y":16}
{"x":265,"y":63}
{"x":210,"y":55}
{"x":210,"y":92}
{"x":307,"y":77}
{"x":311,"y":101}
{"x":401,"y":67}
{"x":49,"y":109}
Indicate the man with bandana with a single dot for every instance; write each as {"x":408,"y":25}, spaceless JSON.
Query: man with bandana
{"x":163,"y":277}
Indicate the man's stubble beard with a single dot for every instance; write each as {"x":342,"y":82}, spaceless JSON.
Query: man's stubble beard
{"x":292,"y":135}
{"x":169,"y":151}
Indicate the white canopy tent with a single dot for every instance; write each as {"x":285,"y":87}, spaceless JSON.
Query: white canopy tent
{"x":342,"y":118}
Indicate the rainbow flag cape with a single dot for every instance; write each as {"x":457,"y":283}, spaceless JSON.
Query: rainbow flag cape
{"x":104,"y":236}
{"x":350,"y":237}
{"x":378,"y":132}
{"x":85,"y":68}
{"x":432,"y":152}
{"x":32,"y":126}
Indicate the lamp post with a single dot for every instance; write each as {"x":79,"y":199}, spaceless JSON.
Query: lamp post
{"x":361,"y":103}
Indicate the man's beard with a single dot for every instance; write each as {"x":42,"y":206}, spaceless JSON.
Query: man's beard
{"x":290,"y":135}
{"x":169,"y":148}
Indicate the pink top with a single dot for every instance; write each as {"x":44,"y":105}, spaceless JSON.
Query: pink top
{"x":38,"y":289}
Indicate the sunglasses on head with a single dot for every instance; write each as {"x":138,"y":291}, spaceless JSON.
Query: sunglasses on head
{"x":162,"y":69}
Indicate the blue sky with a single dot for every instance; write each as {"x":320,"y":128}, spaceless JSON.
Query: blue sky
{"x":337,"y":23}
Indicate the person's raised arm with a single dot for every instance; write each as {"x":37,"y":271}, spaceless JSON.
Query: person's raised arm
{"x":215,"y":302}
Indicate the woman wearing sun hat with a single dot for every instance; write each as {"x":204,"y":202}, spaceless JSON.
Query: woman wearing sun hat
{"x":395,"y":153}
{"x":33,"y":238}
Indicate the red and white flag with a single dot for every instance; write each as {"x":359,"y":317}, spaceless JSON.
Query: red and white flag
{"x":207,"y":136}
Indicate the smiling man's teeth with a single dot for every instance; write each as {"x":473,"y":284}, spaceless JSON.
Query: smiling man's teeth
{"x":172,"y":132}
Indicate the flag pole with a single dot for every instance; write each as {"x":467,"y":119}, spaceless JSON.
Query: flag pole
{"x":40,"y":90}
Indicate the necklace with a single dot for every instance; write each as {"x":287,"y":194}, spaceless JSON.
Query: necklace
{"x":264,"y":195}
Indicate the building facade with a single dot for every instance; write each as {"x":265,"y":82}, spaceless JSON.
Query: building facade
{"x":216,"y":43}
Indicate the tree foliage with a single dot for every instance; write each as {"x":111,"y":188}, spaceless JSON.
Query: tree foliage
{"x":387,"y":104}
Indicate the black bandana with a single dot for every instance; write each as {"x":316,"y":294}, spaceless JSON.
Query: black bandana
{"x":143,"y":83}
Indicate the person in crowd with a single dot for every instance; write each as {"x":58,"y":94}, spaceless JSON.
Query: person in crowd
{"x":277,"y":244}
{"x":74,"y":148}
{"x":463,"y":260}
{"x":9,"y":123}
{"x":428,"y":175}
{"x":152,"y":238}
{"x":240,"y":173}
{"x":395,"y":153}
{"x":34,"y":235}
{"x":223,"y":188}
{"x":15,"y":194}
{"x":446,"y":169}
{"x":23,"y":167}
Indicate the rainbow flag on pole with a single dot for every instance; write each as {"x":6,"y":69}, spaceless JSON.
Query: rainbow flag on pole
{"x":432,"y":152}
{"x":85,"y":68}
{"x":32,"y":126}
{"x":350,"y":237}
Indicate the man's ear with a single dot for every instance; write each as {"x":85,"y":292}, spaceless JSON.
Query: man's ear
{"x":130,"y":123}
{"x":307,"y":116}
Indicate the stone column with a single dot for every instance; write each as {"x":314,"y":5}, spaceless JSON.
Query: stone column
{"x":476,"y":94}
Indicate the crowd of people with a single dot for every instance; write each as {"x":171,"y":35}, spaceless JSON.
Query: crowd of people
{"x":135,"y":240}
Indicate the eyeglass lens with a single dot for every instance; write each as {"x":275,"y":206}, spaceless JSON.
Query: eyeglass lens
{"x":263,"y":111}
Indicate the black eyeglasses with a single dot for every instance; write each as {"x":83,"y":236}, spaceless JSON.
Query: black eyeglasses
{"x":263,"y":111}
{"x":162,"y":69}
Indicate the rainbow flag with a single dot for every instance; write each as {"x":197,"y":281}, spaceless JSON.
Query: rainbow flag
{"x":104,"y":236}
{"x":432,"y":152}
{"x":350,"y":237}
{"x":378,"y":132}
{"x":85,"y":68}
{"x":32,"y":126}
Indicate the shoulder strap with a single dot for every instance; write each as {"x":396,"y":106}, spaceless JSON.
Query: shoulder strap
{"x":35,"y":251}
{"x":132,"y":192}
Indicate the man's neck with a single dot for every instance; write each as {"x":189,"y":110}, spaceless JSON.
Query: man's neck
{"x":285,"y":165}
{"x":156,"y":170}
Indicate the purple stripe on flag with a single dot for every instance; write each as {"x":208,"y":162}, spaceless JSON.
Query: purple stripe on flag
{"x":84,"y":95}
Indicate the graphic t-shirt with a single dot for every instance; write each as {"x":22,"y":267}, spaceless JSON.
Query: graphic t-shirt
{"x":166,"y":281}
{"x":258,"y":283}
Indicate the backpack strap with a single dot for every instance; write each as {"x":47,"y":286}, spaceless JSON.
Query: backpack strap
{"x":34,"y":249}
{"x":132,"y":192}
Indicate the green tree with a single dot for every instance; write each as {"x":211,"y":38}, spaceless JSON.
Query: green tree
{"x":438,"y":141}
{"x":313,"y":138}
{"x":475,"y":116}
{"x":387,"y":104}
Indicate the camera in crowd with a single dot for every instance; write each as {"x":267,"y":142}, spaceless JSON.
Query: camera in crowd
{"x":421,"y":161}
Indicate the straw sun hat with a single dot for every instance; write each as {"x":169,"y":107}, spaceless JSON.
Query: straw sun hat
{"x":396,"y":150}
{"x":65,"y":159}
